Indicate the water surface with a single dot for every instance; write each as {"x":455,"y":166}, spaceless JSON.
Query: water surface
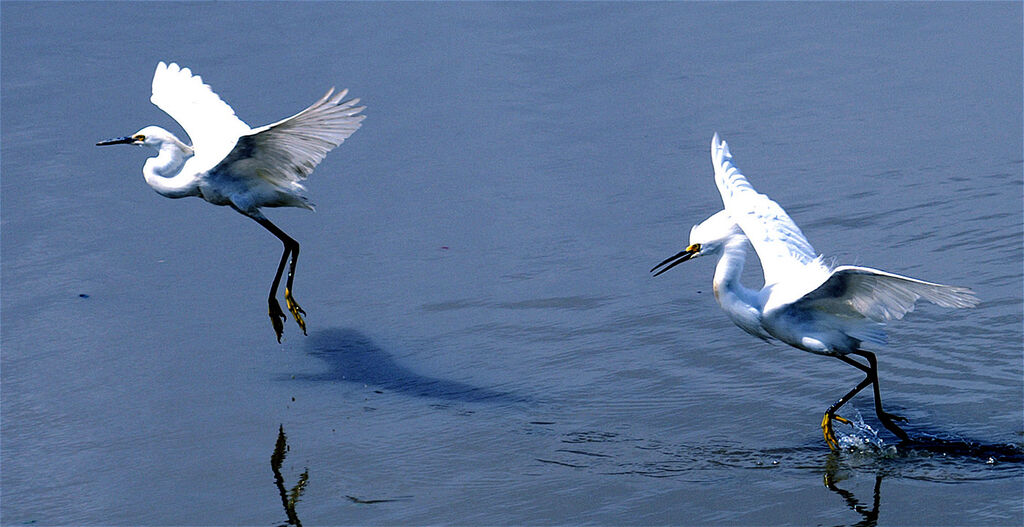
{"x":486,"y":344}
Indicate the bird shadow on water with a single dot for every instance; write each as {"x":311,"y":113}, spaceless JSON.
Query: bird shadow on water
{"x":855,"y":474}
{"x":923,"y":443}
{"x":923,"y":458}
{"x":353,"y":357}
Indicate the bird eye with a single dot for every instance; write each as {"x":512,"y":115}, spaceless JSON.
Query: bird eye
{"x":694,"y":248}
{"x":139,"y":138}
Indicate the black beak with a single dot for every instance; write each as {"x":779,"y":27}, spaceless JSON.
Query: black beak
{"x":127,"y":140}
{"x":676,"y":259}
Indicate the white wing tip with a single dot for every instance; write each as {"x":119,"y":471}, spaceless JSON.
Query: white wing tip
{"x":167,"y":74}
{"x":960,"y":297}
{"x":719,"y":149}
{"x":171,"y":67}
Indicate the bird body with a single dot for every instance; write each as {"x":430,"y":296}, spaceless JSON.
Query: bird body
{"x":804,"y":302}
{"x":231,"y":164}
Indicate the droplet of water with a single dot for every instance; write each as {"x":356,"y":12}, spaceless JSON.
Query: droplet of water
{"x":863,"y":439}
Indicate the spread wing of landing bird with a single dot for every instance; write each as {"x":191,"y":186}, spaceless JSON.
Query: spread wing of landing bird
{"x":804,"y":302}
{"x":244,"y":168}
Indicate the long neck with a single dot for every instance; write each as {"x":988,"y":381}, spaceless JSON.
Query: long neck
{"x":740,"y":303}
{"x":163,"y":172}
{"x":727,"y":286}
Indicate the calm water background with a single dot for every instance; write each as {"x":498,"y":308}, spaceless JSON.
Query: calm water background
{"x":486,"y":344}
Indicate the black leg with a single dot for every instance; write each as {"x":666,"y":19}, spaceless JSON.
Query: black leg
{"x":868,"y":379}
{"x":277,"y":317}
{"x":883,"y":416}
{"x":291,"y":249}
{"x":830,"y":414}
{"x":293,"y":306}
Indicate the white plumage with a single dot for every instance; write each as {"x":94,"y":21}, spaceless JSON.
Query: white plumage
{"x":229,"y":163}
{"x":803,"y":302}
{"x":797,"y":274}
{"x":209,"y":122}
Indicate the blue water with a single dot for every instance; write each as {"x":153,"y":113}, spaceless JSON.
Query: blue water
{"x":486,"y":344}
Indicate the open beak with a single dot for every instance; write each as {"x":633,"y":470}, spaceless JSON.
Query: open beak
{"x":677,"y":259}
{"x":127,"y":140}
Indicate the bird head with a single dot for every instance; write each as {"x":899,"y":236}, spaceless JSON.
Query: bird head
{"x":151,"y":136}
{"x":707,"y":237}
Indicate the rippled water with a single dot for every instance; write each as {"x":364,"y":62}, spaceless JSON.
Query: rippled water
{"x":486,"y":344}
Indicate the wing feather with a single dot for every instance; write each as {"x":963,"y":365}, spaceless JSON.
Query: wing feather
{"x":209,"y":122}
{"x":782,"y":248}
{"x":287,"y":151}
{"x":880,"y":296}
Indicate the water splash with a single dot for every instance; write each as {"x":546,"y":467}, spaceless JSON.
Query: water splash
{"x":863,"y":439}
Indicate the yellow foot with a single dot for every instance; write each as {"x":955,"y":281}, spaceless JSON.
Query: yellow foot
{"x":276,"y":317}
{"x":297,"y":311}
{"x":830,"y":435}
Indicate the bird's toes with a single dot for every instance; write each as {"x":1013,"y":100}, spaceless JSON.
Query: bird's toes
{"x":830,"y":436}
{"x":277,"y":318}
{"x":830,"y":439}
{"x":278,"y":323}
{"x":297,"y":312}
{"x":300,"y":321}
{"x":828,"y":429}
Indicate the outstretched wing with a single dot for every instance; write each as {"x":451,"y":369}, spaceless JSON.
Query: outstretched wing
{"x":781,"y":247}
{"x":880,"y":296}
{"x":287,"y":151}
{"x":209,"y":122}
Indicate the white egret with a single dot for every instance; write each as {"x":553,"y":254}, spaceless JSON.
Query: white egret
{"x":804,"y":302}
{"x":231,"y":164}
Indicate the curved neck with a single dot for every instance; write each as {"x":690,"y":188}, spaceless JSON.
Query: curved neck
{"x":163,"y":172}
{"x":727,"y":286}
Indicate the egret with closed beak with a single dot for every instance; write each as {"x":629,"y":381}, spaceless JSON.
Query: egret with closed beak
{"x":244,"y":168}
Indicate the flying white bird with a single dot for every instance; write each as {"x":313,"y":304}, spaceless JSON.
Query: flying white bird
{"x":804,"y":303}
{"x":231,"y":164}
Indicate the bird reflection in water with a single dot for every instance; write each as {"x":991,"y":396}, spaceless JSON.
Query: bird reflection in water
{"x":869,"y":514}
{"x":948,"y":453}
{"x":288,"y":497}
{"x":805,"y":302}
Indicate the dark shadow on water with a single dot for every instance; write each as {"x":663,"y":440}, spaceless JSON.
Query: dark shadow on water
{"x":353,"y":357}
{"x":855,"y":476}
{"x":924,"y":457}
{"x":954,"y":447}
{"x":926,"y":443}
